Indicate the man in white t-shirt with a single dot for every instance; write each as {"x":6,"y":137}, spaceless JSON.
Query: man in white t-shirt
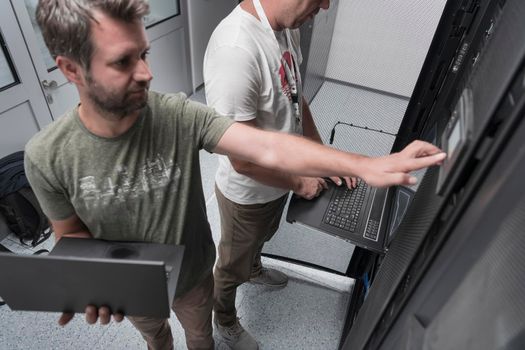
{"x":251,"y":73}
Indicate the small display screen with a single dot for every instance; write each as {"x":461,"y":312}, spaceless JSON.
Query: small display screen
{"x":453,"y":139}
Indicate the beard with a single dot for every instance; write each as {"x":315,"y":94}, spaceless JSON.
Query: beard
{"x":116,"y":105}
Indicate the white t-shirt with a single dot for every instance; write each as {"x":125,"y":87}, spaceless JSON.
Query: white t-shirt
{"x":245,"y":80}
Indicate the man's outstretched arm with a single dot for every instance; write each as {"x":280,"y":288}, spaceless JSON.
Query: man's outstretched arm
{"x":306,"y":187}
{"x":297,"y":155}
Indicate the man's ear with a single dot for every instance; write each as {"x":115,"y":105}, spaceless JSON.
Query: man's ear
{"x":72,"y":70}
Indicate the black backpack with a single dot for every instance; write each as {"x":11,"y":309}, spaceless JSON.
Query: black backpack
{"x":18,"y":203}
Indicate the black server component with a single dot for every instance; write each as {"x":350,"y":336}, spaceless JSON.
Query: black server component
{"x":450,"y":53}
{"x":471,"y":225}
{"x":471,"y":294}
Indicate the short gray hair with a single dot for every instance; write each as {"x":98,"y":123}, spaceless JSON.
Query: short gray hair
{"x":66,"y":24}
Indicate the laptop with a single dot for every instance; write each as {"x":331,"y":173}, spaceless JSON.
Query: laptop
{"x":136,"y":279}
{"x":365,"y":216}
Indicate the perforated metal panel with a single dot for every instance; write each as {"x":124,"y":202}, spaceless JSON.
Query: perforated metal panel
{"x":490,"y":302}
{"x":382,"y":44}
{"x":411,"y":233}
{"x":336,"y":102}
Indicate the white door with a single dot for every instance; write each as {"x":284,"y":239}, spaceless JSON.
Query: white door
{"x":23,"y":109}
{"x":59,"y":93}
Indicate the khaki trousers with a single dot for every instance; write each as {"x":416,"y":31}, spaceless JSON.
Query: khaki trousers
{"x":244,"y":230}
{"x":193,"y":310}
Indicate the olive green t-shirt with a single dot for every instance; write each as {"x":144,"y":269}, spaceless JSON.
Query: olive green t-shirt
{"x":144,"y":185}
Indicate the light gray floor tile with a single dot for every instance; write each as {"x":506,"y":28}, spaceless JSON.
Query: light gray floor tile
{"x":124,"y":336}
{"x":309,"y":245}
{"x":39,"y":330}
{"x":300,"y":316}
{"x":308,"y":313}
{"x":120,"y":336}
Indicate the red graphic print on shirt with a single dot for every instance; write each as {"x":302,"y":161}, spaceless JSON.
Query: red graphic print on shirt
{"x":288,"y":58}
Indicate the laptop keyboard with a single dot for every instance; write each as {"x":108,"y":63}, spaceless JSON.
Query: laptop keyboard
{"x":345,"y":206}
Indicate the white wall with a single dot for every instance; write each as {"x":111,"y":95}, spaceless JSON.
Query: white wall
{"x":382,"y":44}
{"x":203,"y":17}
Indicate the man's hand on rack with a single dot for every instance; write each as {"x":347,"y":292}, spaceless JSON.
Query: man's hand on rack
{"x":395,"y":168}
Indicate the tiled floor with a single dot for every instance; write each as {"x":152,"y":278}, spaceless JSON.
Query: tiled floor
{"x":307,"y":314}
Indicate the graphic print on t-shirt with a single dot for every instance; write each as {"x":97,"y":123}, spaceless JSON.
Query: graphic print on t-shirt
{"x":155,"y":175}
{"x":285,"y":85}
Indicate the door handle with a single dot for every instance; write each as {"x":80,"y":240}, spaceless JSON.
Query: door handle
{"x":49,"y":84}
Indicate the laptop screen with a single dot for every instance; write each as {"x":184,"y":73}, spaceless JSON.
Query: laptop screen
{"x":400,"y":203}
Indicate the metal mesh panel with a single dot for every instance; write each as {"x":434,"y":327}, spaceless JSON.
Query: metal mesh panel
{"x":363,"y":141}
{"x":337,"y":102}
{"x":382,"y":44}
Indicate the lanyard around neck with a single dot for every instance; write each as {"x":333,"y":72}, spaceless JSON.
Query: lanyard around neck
{"x":289,"y":71}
